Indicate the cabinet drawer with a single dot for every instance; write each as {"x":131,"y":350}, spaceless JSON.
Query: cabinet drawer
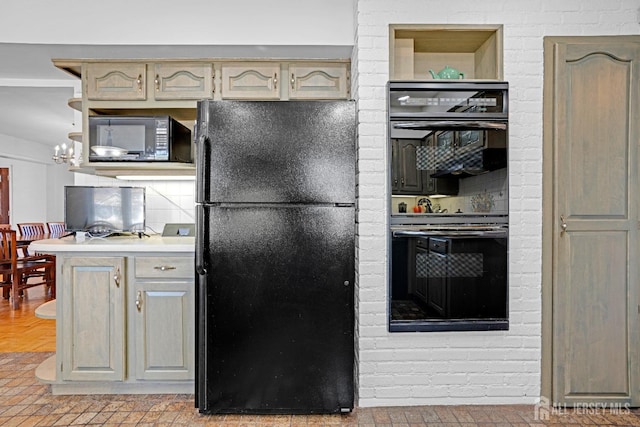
{"x":164,"y":267}
{"x":438,"y":245}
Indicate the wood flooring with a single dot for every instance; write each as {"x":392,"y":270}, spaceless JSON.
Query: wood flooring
{"x":21,"y":330}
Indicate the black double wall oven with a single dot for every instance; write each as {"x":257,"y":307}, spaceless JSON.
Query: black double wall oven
{"x":448,"y":270}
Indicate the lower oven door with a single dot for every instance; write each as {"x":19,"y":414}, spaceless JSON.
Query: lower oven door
{"x":453,"y":282}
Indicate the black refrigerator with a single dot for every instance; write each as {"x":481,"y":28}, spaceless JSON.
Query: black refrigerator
{"x":275,"y":249}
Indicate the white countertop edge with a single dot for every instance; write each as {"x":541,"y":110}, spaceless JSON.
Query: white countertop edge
{"x":115,"y":244}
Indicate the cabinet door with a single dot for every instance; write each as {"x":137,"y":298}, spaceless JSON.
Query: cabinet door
{"x":395,"y":166}
{"x":437,"y":283}
{"x":318,"y":81}
{"x":421,"y":272}
{"x":164,"y":320}
{"x":182,"y":81}
{"x":93,"y":319}
{"x":250,"y":81}
{"x":162,"y":312}
{"x":115,"y":81}
{"x":409,"y":175}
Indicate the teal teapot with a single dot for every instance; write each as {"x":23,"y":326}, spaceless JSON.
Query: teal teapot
{"x":447,"y":73}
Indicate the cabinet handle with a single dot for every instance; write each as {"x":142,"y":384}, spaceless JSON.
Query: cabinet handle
{"x":116,"y":277}
{"x":395,"y":182}
{"x":164,"y":267}
{"x":139,"y":300}
{"x":402,"y":181}
{"x":293,"y":81}
{"x":275,"y":81}
{"x":157,"y":81}
{"x":139,"y":81}
{"x":563,"y":224}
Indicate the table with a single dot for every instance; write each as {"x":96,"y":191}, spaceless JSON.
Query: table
{"x":23,"y":241}
{"x":28,"y":238}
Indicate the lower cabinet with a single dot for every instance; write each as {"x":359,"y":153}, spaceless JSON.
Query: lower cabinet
{"x":93,"y":319}
{"x":127,"y":321}
{"x":163,"y":318}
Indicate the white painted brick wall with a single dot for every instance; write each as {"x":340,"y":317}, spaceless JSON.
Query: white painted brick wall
{"x":462,"y":367}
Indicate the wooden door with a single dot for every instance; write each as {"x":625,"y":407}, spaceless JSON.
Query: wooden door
{"x":93,"y":319}
{"x":251,"y":81}
{"x":113,"y":81}
{"x":409,"y":175}
{"x":4,"y":196}
{"x":164,"y":319}
{"x":318,"y":81}
{"x":183,"y":81}
{"x":592,"y":131}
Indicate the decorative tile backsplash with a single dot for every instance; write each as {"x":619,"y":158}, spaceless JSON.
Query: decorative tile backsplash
{"x":166,"y":201}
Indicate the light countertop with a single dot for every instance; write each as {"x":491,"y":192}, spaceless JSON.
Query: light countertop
{"x":115,"y":244}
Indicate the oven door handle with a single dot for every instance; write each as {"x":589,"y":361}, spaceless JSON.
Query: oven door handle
{"x":450,"y":124}
{"x":451,"y":233}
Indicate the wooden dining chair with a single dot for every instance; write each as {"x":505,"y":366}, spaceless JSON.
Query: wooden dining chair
{"x":19,"y":274}
{"x":28,"y":228}
{"x":55,"y":227}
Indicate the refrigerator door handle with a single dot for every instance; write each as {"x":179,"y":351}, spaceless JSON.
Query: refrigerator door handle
{"x":201,"y":251}
{"x":203,"y":169}
{"x":201,"y":241}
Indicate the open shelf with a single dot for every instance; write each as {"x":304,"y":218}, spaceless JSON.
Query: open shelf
{"x":75,"y":103}
{"x":46,"y":371}
{"x":475,"y":51}
{"x":46,"y":310}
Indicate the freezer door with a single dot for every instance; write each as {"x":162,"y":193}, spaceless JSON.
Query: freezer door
{"x":278,"y":310}
{"x":276,"y":151}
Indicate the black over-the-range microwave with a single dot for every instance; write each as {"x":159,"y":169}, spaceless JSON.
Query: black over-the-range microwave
{"x":138,"y":139}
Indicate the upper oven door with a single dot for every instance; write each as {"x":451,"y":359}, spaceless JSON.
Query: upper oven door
{"x":463,"y":126}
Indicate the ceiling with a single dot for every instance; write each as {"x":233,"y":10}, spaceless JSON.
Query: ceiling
{"x":34,"y":93}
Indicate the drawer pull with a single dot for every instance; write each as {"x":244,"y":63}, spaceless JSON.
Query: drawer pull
{"x":164,"y":267}
{"x":139,"y":300}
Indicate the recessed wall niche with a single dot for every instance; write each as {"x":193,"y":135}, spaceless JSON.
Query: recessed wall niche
{"x":474,"y":50}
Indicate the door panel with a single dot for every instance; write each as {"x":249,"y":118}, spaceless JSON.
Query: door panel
{"x":596,"y":327}
{"x":594,"y":219}
{"x":4,"y":196}
{"x":597,"y":144}
{"x":280,"y":314}
{"x":277,"y":152}
{"x":93,"y":319}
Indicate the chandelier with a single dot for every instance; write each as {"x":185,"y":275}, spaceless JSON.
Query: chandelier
{"x":62,"y":154}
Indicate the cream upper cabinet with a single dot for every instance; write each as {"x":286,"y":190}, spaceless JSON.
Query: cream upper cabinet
{"x":182,"y":81}
{"x":318,"y":81}
{"x":168,"y":81}
{"x":116,"y":81}
{"x":251,"y":80}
